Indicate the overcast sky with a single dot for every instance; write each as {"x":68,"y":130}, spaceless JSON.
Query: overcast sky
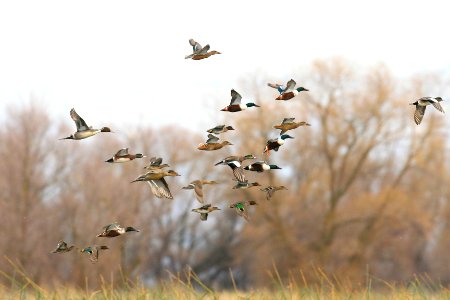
{"x":124,"y":60}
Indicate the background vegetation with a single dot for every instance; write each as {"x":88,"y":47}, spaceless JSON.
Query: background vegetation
{"x":368,"y":192}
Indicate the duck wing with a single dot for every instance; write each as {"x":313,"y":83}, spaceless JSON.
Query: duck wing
{"x":238,"y":172}
{"x":204,"y":50}
{"x":235,"y":97}
{"x":79,"y":122}
{"x":212,"y":139}
{"x":290,"y":85}
{"x":155,"y":161}
{"x":418,"y":114}
{"x":196,"y":47}
{"x":122,"y":152}
{"x":160,"y":188}
{"x":288,"y":121}
{"x":438,"y":106}
{"x":198,"y":190}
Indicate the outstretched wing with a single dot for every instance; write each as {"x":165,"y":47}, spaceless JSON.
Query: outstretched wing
{"x":122,"y":152}
{"x":79,"y":122}
{"x":438,"y":106}
{"x":160,"y":188}
{"x":290,"y":85}
{"x":238,"y":172}
{"x":212,"y":139}
{"x":196,"y":47}
{"x":418,"y":114}
{"x":203,"y":216}
{"x":198,"y":190}
{"x":288,"y":121}
{"x":235,"y":97}
{"x":204,"y":50}
{"x":155,"y":161}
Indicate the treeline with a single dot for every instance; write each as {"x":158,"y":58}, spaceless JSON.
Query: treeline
{"x":367,"y":190}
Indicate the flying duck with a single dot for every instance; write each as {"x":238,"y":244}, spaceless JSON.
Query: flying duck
{"x":245,"y":184}
{"x":199,"y":52}
{"x":421,"y":105}
{"x":113,"y":230}
{"x":205,"y":210}
{"x":275,"y":144}
{"x":220,"y":129}
{"x":157,"y":183}
{"x":156,"y":164}
{"x":270,"y":190}
{"x":62,"y":247}
{"x":83,"y":130}
{"x":288,"y":124}
{"x":212,"y":143}
{"x":123,"y":156}
{"x":235,"y":163}
{"x":235,"y":104}
{"x":288,"y":92}
{"x":241,"y":208}
{"x":197,"y":186}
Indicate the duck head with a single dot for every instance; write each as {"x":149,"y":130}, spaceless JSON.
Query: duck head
{"x":128,"y":229}
{"x":139,"y":155}
{"x":226,"y":143}
{"x":111,"y":160}
{"x":301,"y":89}
{"x":274,"y":167}
{"x":172,"y":173}
{"x":105,"y":129}
{"x":249,"y":156}
{"x":286,"y":136}
{"x":251,"y":104}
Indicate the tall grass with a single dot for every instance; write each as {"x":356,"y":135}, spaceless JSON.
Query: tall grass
{"x":187,"y":285}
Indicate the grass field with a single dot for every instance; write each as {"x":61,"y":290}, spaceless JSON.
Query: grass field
{"x":191,"y":287}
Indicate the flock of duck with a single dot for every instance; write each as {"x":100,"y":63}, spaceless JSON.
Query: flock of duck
{"x":156,"y":173}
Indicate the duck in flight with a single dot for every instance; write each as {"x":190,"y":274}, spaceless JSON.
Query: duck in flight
{"x":123,"y":156}
{"x":157,"y":183}
{"x":205,"y":210}
{"x":62,"y":247}
{"x":261,"y":166}
{"x":83,"y":130}
{"x":235,"y":103}
{"x":289,"y":124}
{"x":220,"y":129}
{"x":235,"y":163}
{"x":199,"y":52}
{"x":113,"y":230}
{"x":197,"y":186}
{"x":270,"y":190}
{"x":421,"y":105}
{"x":93,"y":252}
{"x":241,"y":208}
{"x":275,"y":144}
{"x":212,"y":143}
{"x":156,"y":164}
{"x":288,"y":92}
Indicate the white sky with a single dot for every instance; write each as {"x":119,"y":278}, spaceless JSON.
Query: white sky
{"x":96,"y":55}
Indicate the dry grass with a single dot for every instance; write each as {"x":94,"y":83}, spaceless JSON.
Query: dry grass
{"x":189,"y":286}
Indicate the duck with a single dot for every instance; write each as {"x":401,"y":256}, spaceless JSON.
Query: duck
{"x":83,"y":130}
{"x":62,"y":247}
{"x":122,"y":156}
{"x":235,"y":104}
{"x":241,"y":208}
{"x":289,"y":124}
{"x":114,"y":229}
{"x":275,"y":144}
{"x":93,"y":252}
{"x":199,"y":52}
{"x":235,"y":163}
{"x":220,"y":129}
{"x":157,"y":183}
{"x":288,"y":92}
{"x":156,"y":164}
{"x":245,"y":184}
{"x":212,"y":143}
{"x":421,"y":105}
{"x":205,"y":210}
{"x":261,"y":166}
{"x":270,"y":190}
{"x":197,"y":186}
